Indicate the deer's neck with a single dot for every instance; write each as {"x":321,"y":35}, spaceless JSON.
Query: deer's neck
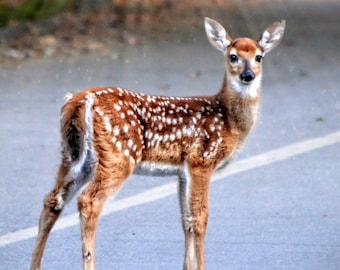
{"x":240,"y":107}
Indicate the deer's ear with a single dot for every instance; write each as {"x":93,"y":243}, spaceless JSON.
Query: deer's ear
{"x":272,"y":36}
{"x":217,"y":35}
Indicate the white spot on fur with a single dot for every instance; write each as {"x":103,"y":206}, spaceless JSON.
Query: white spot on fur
{"x":194,"y":120}
{"x":126,"y":152}
{"x":172,"y":137}
{"x":116,"y":107}
{"x":107,"y":122}
{"x":130,"y":143}
{"x":125,"y":128}
{"x":188,"y":131}
{"x":99,"y":111}
{"x":116,"y":130}
{"x":165,"y":138}
{"x":119,"y":145}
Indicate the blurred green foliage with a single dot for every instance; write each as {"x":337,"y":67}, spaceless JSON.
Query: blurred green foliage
{"x":30,"y":9}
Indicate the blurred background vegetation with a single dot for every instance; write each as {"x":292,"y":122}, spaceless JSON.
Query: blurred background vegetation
{"x":25,"y":10}
{"x":39,"y":28}
{"x":22,"y":10}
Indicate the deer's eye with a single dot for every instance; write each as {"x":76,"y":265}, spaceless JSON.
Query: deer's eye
{"x":233,"y":58}
{"x":258,"y":58}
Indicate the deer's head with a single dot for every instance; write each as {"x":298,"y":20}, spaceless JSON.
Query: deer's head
{"x":244,"y":55}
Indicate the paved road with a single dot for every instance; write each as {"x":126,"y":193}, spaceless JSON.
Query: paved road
{"x":274,"y":210}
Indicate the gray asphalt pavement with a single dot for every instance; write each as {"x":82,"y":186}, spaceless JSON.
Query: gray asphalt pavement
{"x":278,"y":215}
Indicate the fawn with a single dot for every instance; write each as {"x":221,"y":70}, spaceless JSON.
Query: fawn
{"x":108,"y":133}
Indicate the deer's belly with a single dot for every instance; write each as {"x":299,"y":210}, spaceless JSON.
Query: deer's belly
{"x":157,"y":169}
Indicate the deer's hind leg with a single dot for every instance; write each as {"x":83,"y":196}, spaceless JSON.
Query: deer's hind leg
{"x":66,"y":186}
{"x":112,"y":171}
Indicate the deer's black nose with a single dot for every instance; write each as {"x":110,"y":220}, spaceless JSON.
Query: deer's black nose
{"x":247,"y":75}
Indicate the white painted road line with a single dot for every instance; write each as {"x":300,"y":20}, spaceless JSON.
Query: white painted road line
{"x":170,"y":189}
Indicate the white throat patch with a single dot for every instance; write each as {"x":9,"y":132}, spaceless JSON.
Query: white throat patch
{"x":248,"y":90}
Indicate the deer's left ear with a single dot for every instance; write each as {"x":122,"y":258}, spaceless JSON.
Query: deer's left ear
{"x":272,"y":36}
{"x":217,"y":35}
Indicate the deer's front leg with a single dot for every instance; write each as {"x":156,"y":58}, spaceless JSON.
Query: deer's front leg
{"x":194,"y":191}
{"x":184,"y":189}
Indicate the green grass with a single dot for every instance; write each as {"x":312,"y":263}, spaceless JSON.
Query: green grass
{"x":31,"y":9}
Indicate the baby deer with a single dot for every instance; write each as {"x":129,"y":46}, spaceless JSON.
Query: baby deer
{"x":108,"y":133}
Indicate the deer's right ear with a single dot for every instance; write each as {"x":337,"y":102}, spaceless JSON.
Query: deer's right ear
{"x":216,"y":34}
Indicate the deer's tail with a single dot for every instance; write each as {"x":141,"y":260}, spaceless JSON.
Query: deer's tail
{"x":77,"y":136}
